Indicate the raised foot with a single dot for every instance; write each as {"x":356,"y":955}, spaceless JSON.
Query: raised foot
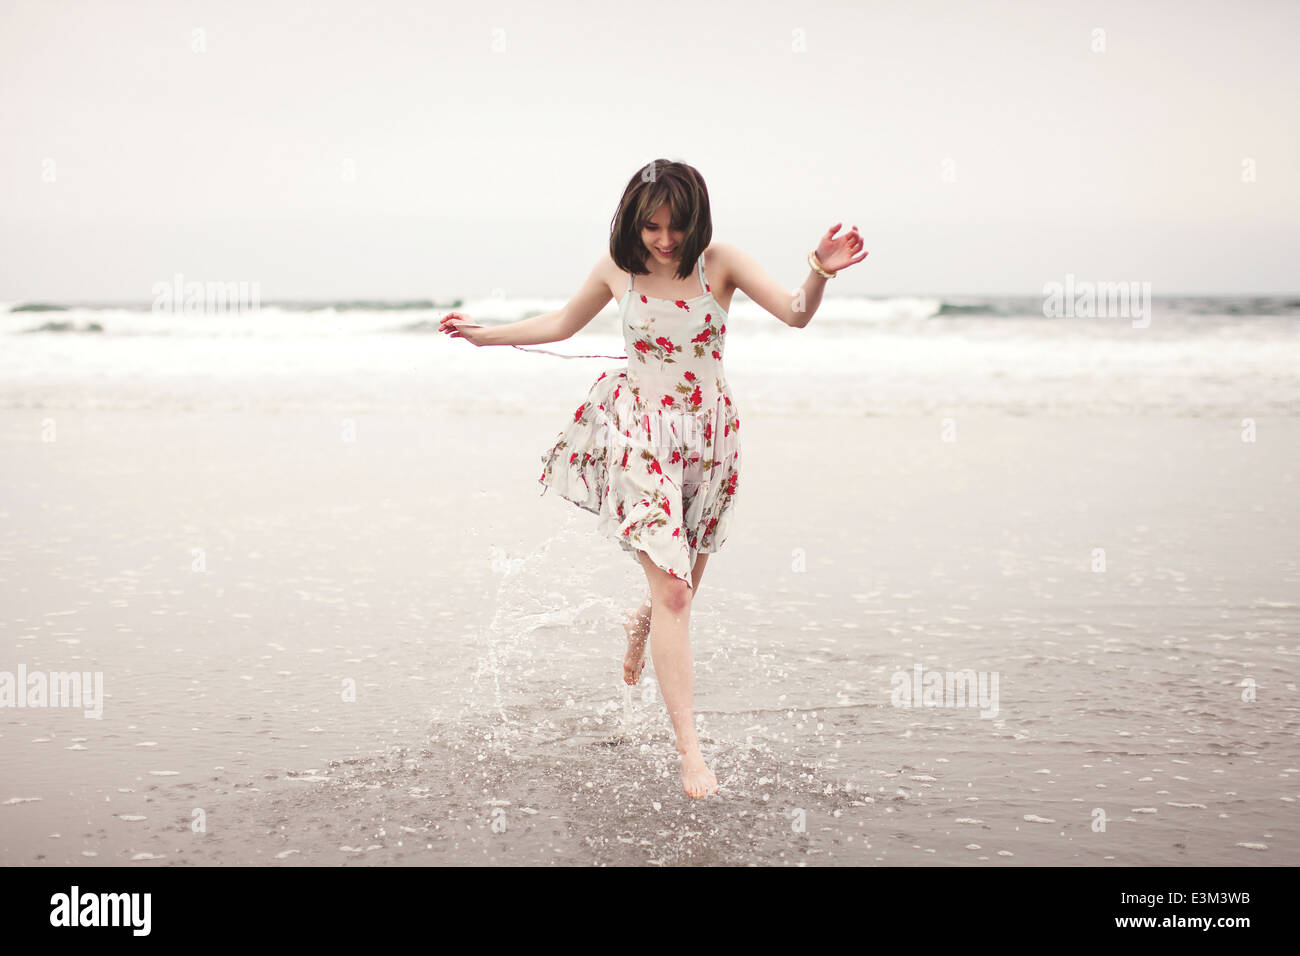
{"x":637,"y":625}
{"x":697,"y":779}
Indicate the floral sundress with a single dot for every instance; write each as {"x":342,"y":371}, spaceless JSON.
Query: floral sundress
{"x":654,"y":450}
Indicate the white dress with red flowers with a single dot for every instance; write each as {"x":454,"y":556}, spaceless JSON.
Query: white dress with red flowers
{"x":654,"y":451}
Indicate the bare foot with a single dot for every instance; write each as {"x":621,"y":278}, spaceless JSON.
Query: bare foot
{"x":637,"y":625}
{"x":697,"y":779}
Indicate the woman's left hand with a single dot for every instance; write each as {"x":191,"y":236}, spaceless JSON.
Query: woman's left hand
{"x":839,"y":252}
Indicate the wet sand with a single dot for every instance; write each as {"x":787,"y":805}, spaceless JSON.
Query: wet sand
{"x":236,"y":575}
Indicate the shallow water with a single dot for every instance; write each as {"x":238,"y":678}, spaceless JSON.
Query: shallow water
{"x":478,"y":625}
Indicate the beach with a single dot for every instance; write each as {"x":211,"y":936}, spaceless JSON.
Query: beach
{"x":339,"y":626}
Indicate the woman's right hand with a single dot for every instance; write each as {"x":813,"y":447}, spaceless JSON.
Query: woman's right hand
{"x":460,"y":326}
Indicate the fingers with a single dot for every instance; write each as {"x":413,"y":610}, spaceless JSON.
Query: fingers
{"x":830,"y":233}
{"x":452,"y":323}
{"x":852,"y":242}
{"x":456,"y":328}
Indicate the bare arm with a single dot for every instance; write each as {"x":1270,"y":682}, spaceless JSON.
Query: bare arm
{"x":750,"y":278}
{"x":794,"y":309}
{"x":590,"y":298}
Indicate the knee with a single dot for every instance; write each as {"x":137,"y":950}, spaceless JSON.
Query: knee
{"x":675,"y":597}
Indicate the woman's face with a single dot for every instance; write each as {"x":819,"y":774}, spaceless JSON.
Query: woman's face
{"x":663,"y":243}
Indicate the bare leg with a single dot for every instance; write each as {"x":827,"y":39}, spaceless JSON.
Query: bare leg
{"x":670,"y":643}
{"x":637,"y":625}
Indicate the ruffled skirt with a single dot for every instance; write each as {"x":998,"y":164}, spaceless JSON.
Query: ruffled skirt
{"x":659,"y":481}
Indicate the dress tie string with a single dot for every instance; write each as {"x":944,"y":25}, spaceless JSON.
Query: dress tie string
{"x":562,"y":355}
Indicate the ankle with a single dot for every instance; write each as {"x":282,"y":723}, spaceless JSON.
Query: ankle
{"x":690,"y":752}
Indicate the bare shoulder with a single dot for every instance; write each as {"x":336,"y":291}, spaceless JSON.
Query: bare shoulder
{"x":721,"y":253}
{"x":614,"y":277}
{"x":720,"y":261}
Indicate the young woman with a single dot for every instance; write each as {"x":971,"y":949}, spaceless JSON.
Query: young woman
{"x":654,"y":450}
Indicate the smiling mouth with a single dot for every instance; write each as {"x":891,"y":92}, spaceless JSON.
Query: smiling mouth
{"x":665,"y":252}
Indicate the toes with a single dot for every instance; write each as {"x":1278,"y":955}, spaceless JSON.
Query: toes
{"x":698,"y":786}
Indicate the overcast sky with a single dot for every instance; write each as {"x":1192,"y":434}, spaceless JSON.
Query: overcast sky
{"x":412,"y":150}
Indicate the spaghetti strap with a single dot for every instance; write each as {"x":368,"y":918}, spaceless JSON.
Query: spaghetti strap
{"x":704,"y":285}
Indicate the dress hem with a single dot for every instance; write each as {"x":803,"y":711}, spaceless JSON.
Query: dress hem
{"x":632,"y":550}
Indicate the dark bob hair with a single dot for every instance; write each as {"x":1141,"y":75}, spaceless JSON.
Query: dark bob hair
{"x":682,"y":187}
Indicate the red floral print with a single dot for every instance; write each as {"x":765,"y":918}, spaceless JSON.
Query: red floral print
{"x":672,"y":410}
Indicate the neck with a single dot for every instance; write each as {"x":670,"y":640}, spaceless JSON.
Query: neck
{"x":667,"y":272}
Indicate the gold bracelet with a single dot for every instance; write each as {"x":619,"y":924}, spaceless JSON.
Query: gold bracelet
{"x":817,"y":266}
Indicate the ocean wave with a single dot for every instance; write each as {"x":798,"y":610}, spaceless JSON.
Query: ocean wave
{"x":422,"y":327}
{"x":38,"y":307}
{"x":65,"y":327}
{"x":420,"y":316}
{"x":949,"y":308}
{"x":1254,"y":306}
{"x":370,"y":305}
